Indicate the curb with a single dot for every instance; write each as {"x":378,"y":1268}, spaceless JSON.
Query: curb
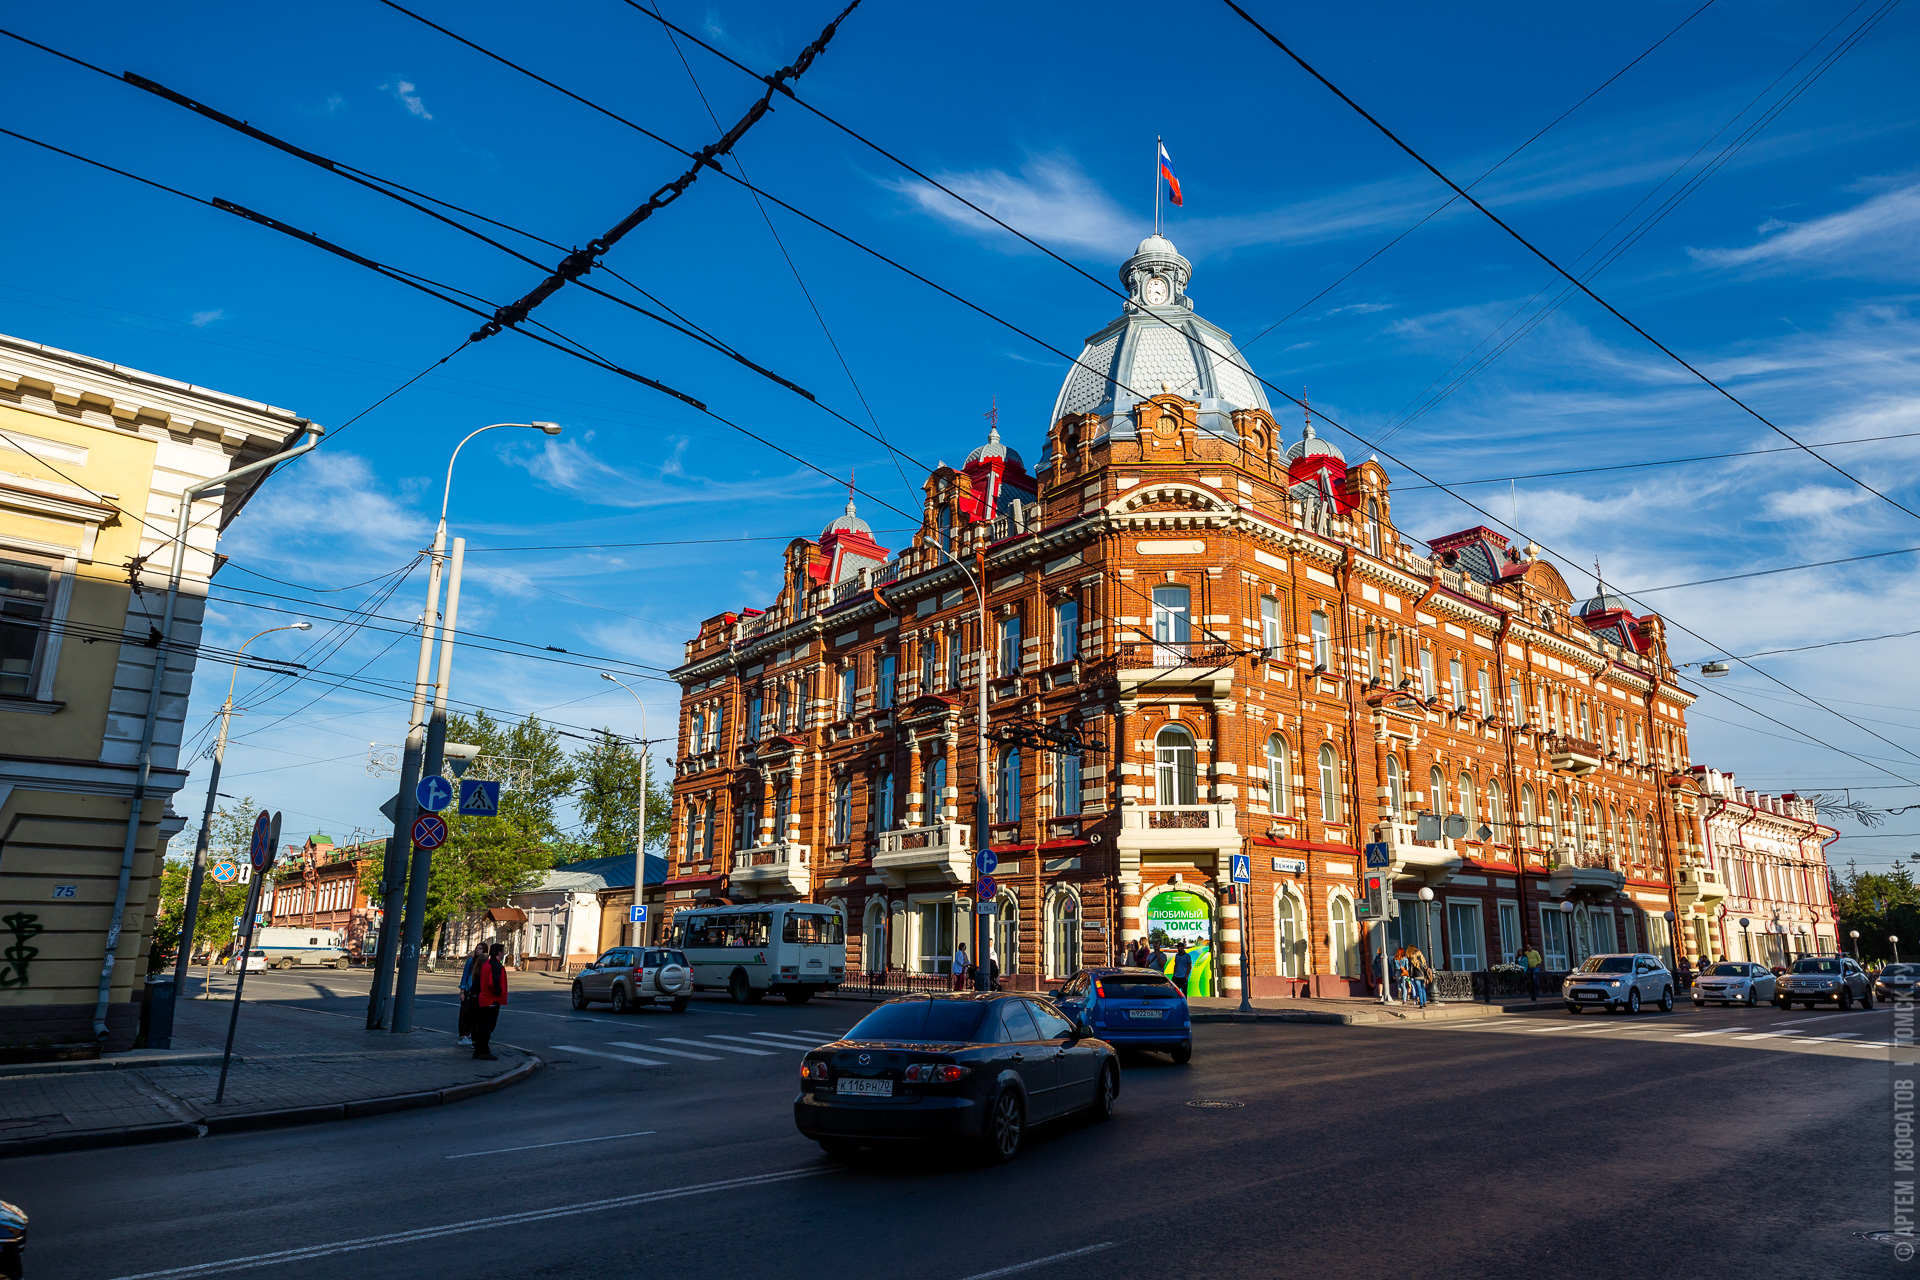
{"x":278,"y":1118}
{"x":133,"y":1061}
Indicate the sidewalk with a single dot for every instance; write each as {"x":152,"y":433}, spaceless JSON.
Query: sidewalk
{"x":1355,"y":1010}
{"x":290,"y":1066}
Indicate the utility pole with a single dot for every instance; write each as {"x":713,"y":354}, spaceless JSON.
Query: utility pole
{"x":640,"y":835}
{"x":196,"y":878}
{"x":420,"y":876}
{"x":982,"y":978}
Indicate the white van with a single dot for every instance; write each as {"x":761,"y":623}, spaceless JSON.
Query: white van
{"x":286,"y":947}
{"x":794,"y":948}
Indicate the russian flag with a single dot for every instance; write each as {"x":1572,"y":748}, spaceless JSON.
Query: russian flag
{"x":1166,"y":171}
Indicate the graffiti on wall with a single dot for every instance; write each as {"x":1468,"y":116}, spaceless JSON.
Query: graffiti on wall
{"x":14,"y":960}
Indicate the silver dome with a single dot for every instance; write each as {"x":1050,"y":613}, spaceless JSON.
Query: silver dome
{"x":994,"y":449}
{"x":848,"y":523}
{"x":1605,"y":602}
{"x":1311,"y":445}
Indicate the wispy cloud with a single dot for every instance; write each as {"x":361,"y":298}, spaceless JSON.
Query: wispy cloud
{"x":333,"y":106}
{"x":406,"y":93}
{"x":201,"y":319}
{"x":570,"y":467}
{"x":1880,"y":232}
{"x":1051,"y":198}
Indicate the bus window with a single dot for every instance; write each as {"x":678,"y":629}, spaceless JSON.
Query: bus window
{"x":813,"y":928}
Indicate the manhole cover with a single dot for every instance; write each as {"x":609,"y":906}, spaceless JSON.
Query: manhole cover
{"x":1214,"y":1104}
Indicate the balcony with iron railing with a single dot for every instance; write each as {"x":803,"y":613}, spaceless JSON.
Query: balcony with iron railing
{"x":1179,"y":826}
{"x":1699,"y":882}
{"x":942,"y":850}
{"x":1172,"y":663}
{"x":1573,"y":756}
{"x":1584,"y":869}
{"x":1434,"y":861}
{"x":771,"y":870}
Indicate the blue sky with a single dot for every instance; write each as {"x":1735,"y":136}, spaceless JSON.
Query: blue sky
{"x":1789,"y":273}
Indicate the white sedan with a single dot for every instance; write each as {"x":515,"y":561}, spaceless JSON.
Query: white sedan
{"x":256,"y":962}
{"x":1733,"y":982}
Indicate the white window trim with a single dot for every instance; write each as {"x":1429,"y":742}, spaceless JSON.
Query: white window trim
{"x":1480,"y":921}
{"x":62,"y":565}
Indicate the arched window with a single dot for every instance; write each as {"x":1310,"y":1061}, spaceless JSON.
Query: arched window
{"x":1329,"y":784}
{"x":929,"y":661}
{"x":1633,"y":837}
{"x":1530,"y":833}
{"x":874,"y":936}
{"x":1063,"y":935}
{"x":1373,"y":654}
{"x":1497,"y":810}
{"x":1468,"y":805}
{"x":1647,"y":838}
{"x":1613,"y":829}
{"x":1066,"y":783}
{"x":1342,"y":943}
{"x":1373,"y":526}
{"x":1396,"y":790}
{"x":933,"y":789}
{"x":881,"y":816}
{"x":1066,"y":631}
{"x":707,"y":825}
{"x":697,"y":733}
{"x":1578,"y":820}
{"x":747,"y":811}
{"x":1322,"y":639}
{"x":1289,"y":936}
{"x":1278,"y":784}
{"x":1009,"y":798}
{"x":1172,"y":626}
{"x":1173,"y":767}
{"x":1006,"y":932}
{"x":1437,"y":791}
{"x":782,"y":808}
{"x":1554,"y":828}
{"x":842,"y":811}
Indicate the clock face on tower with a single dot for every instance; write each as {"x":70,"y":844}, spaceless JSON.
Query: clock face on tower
{"x":1155,"y":291}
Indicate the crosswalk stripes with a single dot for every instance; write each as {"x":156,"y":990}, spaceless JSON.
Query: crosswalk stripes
{"x":654,"y":1048}
{"x":725,"y":1048}
{"x":617,"y":1057}
{"x":783,"y":1038}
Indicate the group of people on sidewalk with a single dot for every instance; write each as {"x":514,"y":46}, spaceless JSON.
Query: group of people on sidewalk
{"x":483,"y":990}
{"x":1176,"y":964}
{"x":1409,"y":976}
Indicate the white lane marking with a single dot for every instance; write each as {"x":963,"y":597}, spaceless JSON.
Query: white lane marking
{"x":1018,"y":1267}
{"x":1456,"y":1026}
{"x":1769,"y":1035}
{"x":1688,"y":1035}
{"x":724,"y":1048}
{"x":654,"y":1048}
{"x":765,"y":1044}
{"x":1534,"y":1031}
{"x":617,"y":1057}
{"x":1818,"y":1017}
{"x":472,"y":1224}
{"x":725,"y":1013}
{"x":500,"y":1151}
{"x":1838,"y":1035}
{"x":810,"y":1039}
{"x":1587,"y":1031}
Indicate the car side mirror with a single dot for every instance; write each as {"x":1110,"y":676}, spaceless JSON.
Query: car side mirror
{"x":1081,"y":1031}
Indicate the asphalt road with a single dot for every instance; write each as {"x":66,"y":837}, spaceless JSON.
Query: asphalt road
{"x":1420,"y":1151}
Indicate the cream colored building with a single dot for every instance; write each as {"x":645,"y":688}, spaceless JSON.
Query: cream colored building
{"x":1764,"y":893}
{"x":94,"y":462}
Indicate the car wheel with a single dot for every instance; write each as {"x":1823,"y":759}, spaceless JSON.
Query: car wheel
{"x":1666,"y":999}
{"x":1866,"y":999}
{"x":621,"y":1004}
{"x":838,"y":1148}
{"x":1184,"y":1054}
{"x":579,"y":996}
{"x":799,"y":997}
{"x":1105,"y":1092}
{"x":680,"y":1005}
{"x":737,"y":987}
{"x":1846,"y":999}
{"x":1573,"y":1009}
{"x":1633,"y":1000}
{"x":341,"y":963}
{"x":1006,"y":1127}
{"x":1699,"y":1004}
{"x":1751,"y":1002}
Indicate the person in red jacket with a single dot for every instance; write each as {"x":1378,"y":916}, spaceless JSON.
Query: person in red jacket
{"x":490,"y":992}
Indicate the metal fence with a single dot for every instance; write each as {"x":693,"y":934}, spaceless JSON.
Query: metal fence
{"x":894,"y":982}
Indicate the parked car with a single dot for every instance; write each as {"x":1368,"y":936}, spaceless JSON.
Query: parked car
{"x":628,"y":977}
{"x":1619,"y":982}
{"x":1896,"y":982}
{"x":256,"y":962}
{"x":1130,"y":1009}
{"x":976,"y":1067}
{"x":1734,"y":982}
{"x":1814,"y":980}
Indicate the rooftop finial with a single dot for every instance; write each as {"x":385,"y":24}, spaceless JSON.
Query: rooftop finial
{"x":1307,"y":405}
{"x":992,"y":415}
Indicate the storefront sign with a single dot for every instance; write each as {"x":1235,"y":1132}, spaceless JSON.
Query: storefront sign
{"x":1177,"y":917}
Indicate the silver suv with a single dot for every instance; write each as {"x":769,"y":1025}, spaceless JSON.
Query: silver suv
{"x":1817,"y":979}
{"x":629,"y":977}
{"x":1619,"y":982}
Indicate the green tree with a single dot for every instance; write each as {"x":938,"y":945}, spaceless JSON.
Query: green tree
{"x":608,"y":799}
{"x":1878,"y":904}
{"x":230,"y":837}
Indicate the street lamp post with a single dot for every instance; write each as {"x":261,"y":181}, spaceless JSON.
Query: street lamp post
{"x":195,"y":878}
{"x":1566,"y":929}
{"x":982,"y":979}
{"x":1893,"y":940}
{"x":640,"y":835}
{"x":391,"y":1003}
{"x":1855,"y":935}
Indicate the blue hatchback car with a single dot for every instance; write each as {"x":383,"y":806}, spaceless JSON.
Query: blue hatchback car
{"x":1130,"y":1009}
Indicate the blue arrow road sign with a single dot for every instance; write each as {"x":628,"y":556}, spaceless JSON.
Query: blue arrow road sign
{"x":1378,"y":855}
{"x":434,"y":793}
{"x":429,"y":831}
{"x":1242,"y":869}
{"x":988,"y":862}
{"x":479,"y":799}
{"x":637,"y":914}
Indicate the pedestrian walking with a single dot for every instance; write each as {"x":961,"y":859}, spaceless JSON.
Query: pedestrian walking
{"x":1182,"y":968}
{"x":1422,"y":974}
{"x":1531,"y":959}
{"x":1398,"y":975}
{"x":960,"y":968}
{"x":468,"y":1005}
{"x":1685,"y":975}
{"x":490,"y":994}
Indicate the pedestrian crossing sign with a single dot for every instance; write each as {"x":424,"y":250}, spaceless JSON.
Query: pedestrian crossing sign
{"x":479,"y":798}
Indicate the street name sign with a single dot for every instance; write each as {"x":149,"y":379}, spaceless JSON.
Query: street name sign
{"x":479,"y":798}
{"x":429,"y":831}
{"x":434,"y":793}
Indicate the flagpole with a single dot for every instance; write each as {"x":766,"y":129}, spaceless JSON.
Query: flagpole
{"x":1157,"y":144}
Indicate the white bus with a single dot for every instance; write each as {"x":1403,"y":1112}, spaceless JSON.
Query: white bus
{"x":286,"y":946}
{"x":794,"y":948}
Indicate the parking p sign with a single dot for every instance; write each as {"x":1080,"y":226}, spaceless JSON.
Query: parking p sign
{"x":637,"y":913}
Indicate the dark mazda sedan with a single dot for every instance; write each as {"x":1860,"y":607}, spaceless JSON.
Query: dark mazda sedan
{"x":977,"y":1068}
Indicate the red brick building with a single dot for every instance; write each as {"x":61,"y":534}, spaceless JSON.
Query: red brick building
{"x":317,"y":885}
{"x":1270,"y":666}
